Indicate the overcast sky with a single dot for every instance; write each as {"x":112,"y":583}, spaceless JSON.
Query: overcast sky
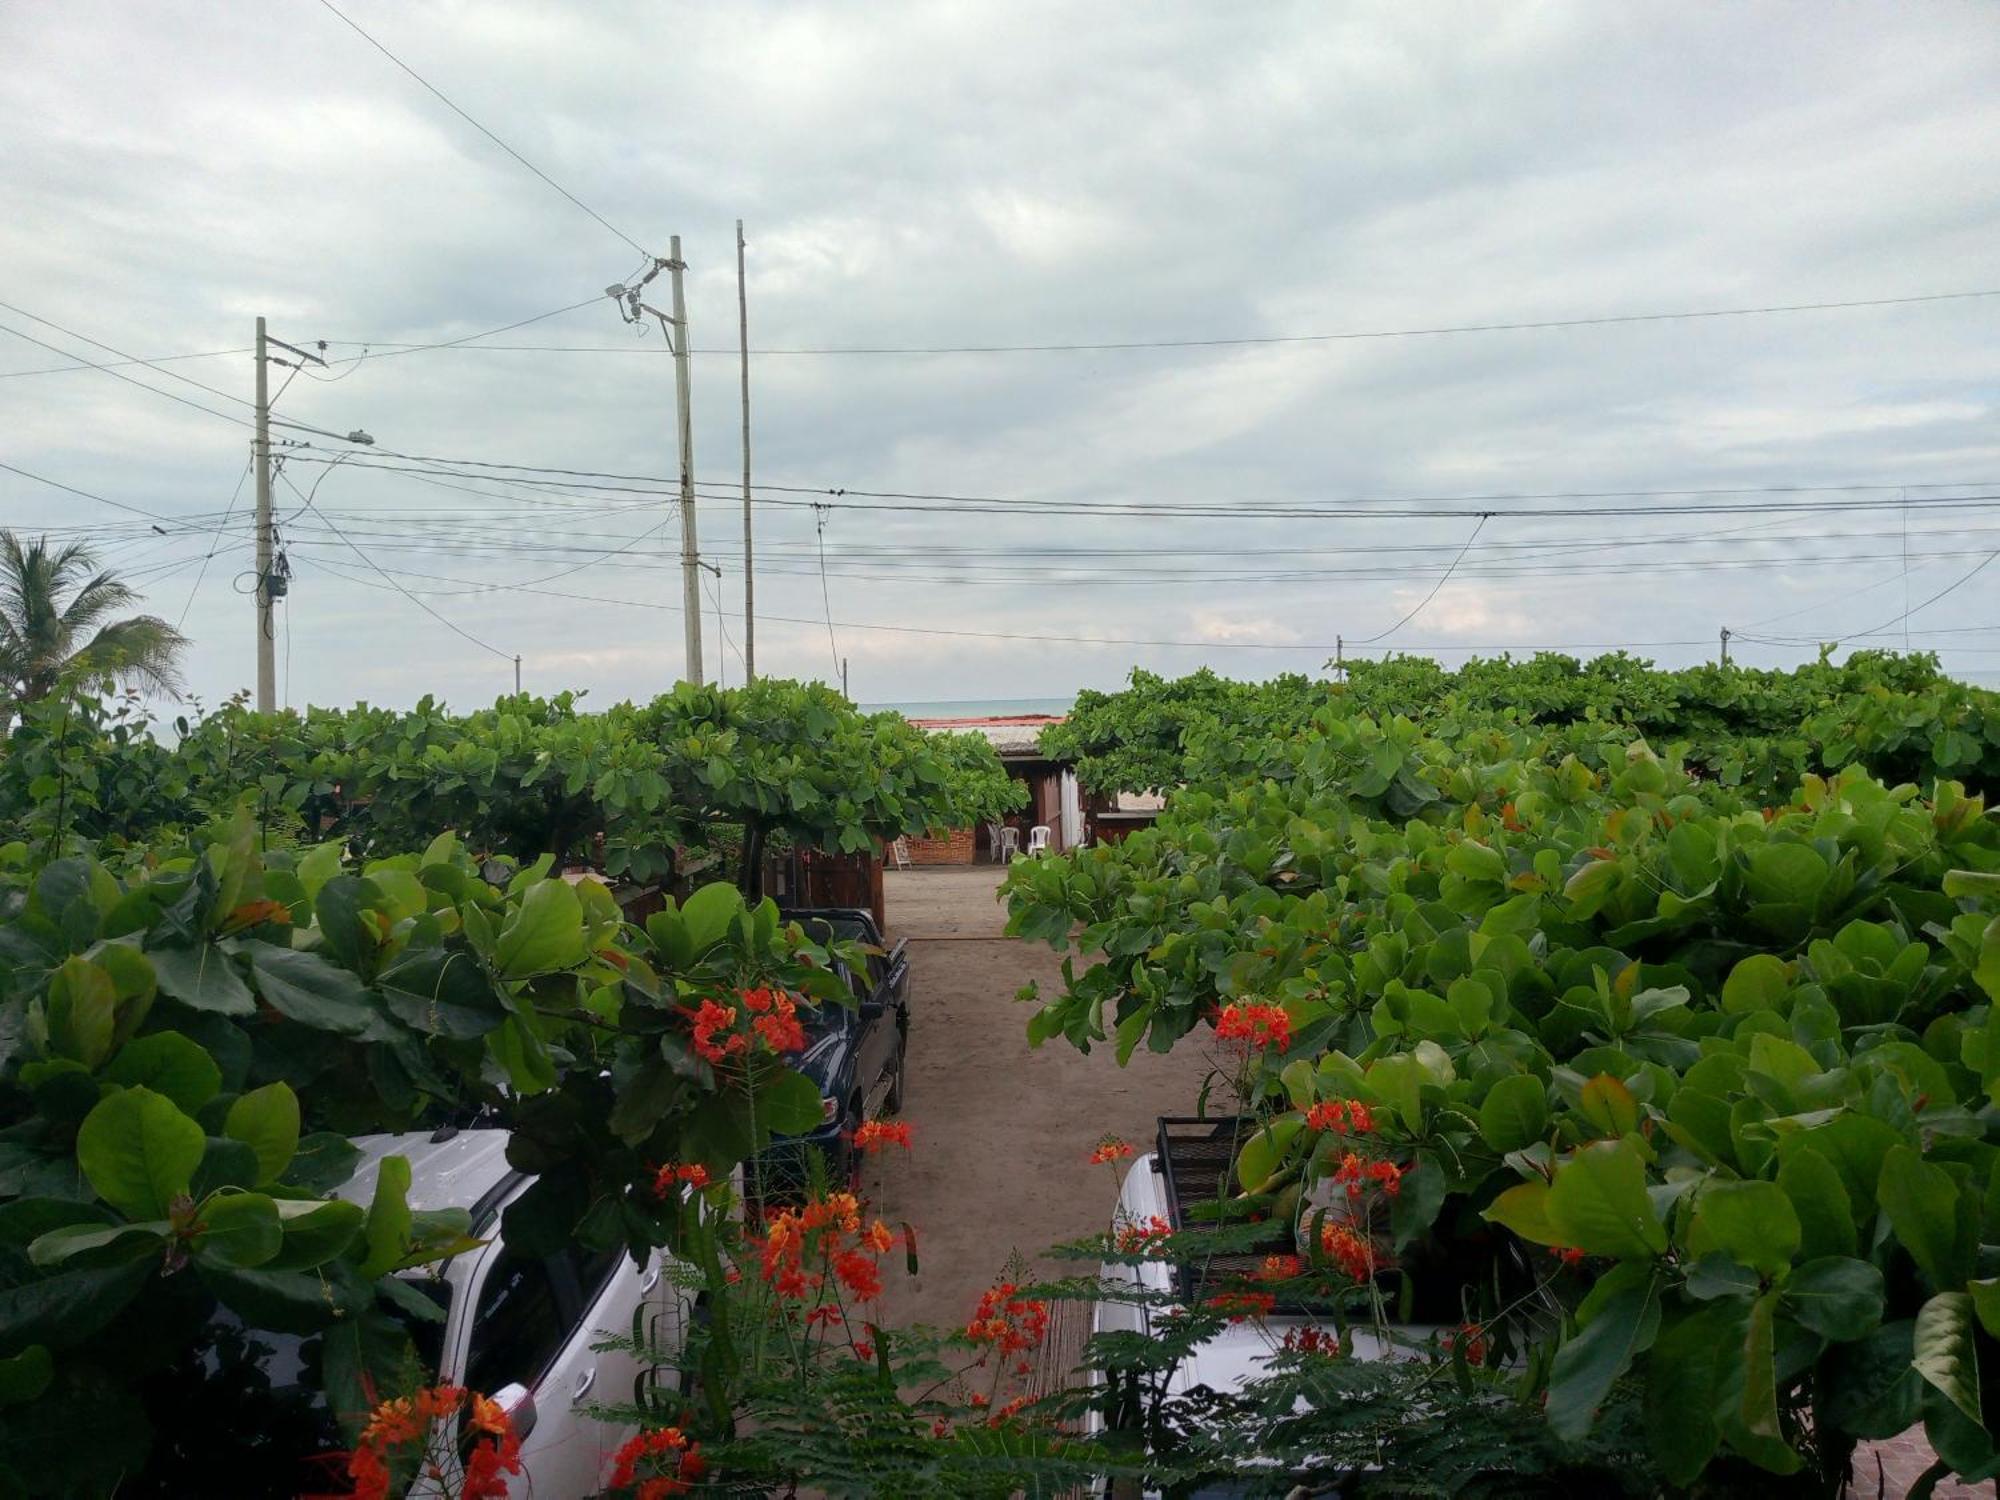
{"x":1018,"y":173}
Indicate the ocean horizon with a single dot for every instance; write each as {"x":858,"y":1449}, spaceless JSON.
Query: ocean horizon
{"x":970,"y":708}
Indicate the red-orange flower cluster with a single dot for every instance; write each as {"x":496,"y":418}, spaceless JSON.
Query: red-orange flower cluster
{"x":1281,"y":1268}
{"x":1010,"y":1323}
{"x":675,"y":1461}
{"x":495,"y":1452}
{"x":1355,"y":1174}
{"x":1569,"y":1255}
{"x":1255,"y":1025}
{"x":1340,"y":1116}
{"x":694,"y":1174}
{"x":711,"y":1018}
{"x":1312,"y":1340}
{"x":1111,"y":1149}
{"x":1471,"y":1337}
{"x":1139,"y":1236}
{"x":876,"y":1134}
{"x":775,"y":1018}
{"x":1243,"y":1305}
{"x":801,"y":1245}
{"x":1350,"y":1251}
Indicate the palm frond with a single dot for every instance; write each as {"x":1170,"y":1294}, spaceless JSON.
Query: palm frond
{"x":144,"y":650}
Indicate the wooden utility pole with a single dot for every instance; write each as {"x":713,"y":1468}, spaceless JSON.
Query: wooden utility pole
{"x":267,"y":661}
{"x":690,"y":555}
{"x":749,"y":566}
{"x":1725,"y":645}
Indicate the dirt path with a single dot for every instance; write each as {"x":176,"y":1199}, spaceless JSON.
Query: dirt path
{"x":1001,"y":1130}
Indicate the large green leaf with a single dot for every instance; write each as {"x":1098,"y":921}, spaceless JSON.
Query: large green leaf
{"x":1826,"y":1215}
{"x":1837,"y":1297}
{"x":707,"y":914}
{"x":1524,"y":1208}
{"x":443,"y":992}
{"x":83,"y":1011}
{"x":167,"y":1063}
{"x":65,"y":1309}
{"x":1681,"y":1379}
{"x":315,"y":1232}
{"x":139,"y":1152}
{"x":544,"y":933}
{"x":1588,"y":1364}
{"x":203,"y":978}
{"x":1598,"y":1203}
{"x":1515,"y":1112}
{"x":308,"y":989}
{"x":1868,"y":1389}
{"x":1758,"y":1410}
{"x":789,"y":1104}
{"x":267,"y":1121}
{"x":58,"y":1245}
{"x":239,"y":1230}
{"x":26,"y":1375}
{"x":1943,"y":1350}
{"x":387,"y":1231}
{"x":1922,"y":1202}
{"x":1751,"y":1222}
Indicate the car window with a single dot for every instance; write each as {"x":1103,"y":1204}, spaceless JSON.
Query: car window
{"x":518,"y":1327}
{"x":593,"y":1270}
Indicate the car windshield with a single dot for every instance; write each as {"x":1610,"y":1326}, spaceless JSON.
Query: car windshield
{"x":251,"y":1403}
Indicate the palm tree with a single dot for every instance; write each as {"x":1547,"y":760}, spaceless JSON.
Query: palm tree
{"x":42,"y":637}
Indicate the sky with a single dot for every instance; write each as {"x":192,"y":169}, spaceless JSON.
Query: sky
{"x":975,"y":175}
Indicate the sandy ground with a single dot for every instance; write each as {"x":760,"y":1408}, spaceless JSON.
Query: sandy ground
{"x":1002,"y":1131}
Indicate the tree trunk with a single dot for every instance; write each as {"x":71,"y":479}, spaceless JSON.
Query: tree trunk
{"x":750,"y":872}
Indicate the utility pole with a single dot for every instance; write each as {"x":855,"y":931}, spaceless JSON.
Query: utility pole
{"x":843,"y":677}
{"x":749,"y":568}
{"x":517,"y":673}
{"x":1725,"y":645}
{"x":690,"y":565}
{"x":267,"y":660}
{"x":1339,"y":657}
{"x":270,"y":584}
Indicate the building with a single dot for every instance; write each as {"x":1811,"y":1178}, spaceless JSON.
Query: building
{"x":1054,"y":802}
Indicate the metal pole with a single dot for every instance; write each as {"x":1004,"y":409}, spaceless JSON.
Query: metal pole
{"x":267,"y":666}
{"x":749,"y":568}
{"x":1725,"y":645}
{"x":690,"y":566}
{"x":517,"y":672}
{"x":843,"y":677}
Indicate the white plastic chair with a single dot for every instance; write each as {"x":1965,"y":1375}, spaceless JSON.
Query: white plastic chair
{"x":1038,"y":839}
{"x":899,"y":851}
{"x":1010,"y":844}
{"x":993,"y":842}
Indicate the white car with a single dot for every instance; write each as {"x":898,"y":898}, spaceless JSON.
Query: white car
{"x":519,"y":1328}
{"x":1155,"y":1187}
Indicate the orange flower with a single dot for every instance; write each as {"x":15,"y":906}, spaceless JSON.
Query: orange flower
{"x":1138,"y":1238}
{"x":859,"y":1274}
{"x":1242,"y":1305}
{"x":1471,"y":1337}
{"x":677,"y":1463}
{"x":1569,"y":1255}
{"x":876,"y":1134}
{"x":1355,"y":1174}
{"x":1341,"y":1116}
{"x":1010,"y":1323}
{"x":708,"y":1020}
{"x":879,"y":1238}
{"x":1312,"y":1340}
{"x":694,"y":1174}
{"x":1352,"y":1253}
{"x":1281,"y":1268}
{"x":410,"y":1419}
{"x":1256,"y":1026}
{"x":1110,"y":1149}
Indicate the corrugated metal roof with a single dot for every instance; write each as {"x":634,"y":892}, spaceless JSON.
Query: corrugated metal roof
{"x":1008,"y":734}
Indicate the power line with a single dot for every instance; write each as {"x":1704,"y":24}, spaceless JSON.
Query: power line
{"x":391,"y":351}
{"x":1259,"y":340}
{"x":1385,"y":634}
{"x":1235,"y":510}
{"x":1085,"y":640}
{"x":216,"y":545}
{"x":1888,"y":626}
{"x":454,"y":629}
{"x":448,"y":104}
{"x":157,"y":359}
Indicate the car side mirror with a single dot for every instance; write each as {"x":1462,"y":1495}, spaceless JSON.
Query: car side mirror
{"x":519,"y":1403}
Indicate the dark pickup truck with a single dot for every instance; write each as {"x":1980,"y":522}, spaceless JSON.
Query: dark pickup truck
{"x":856,"y":1055}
